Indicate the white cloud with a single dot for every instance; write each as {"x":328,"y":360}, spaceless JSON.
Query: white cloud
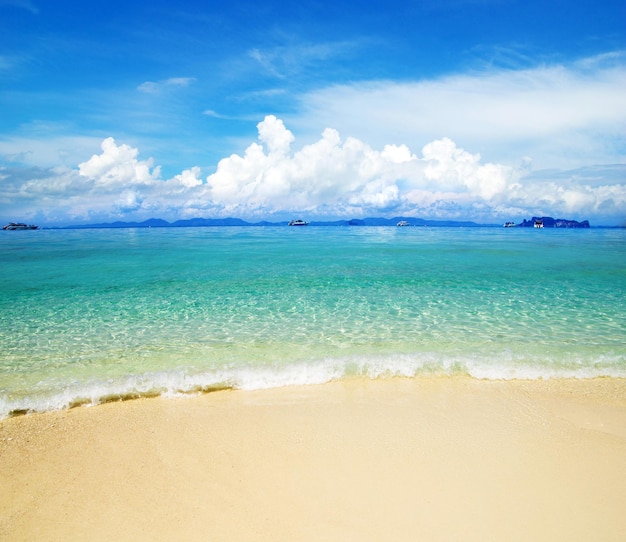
{"x":129,"y":201}
{"x":562,"y":116}
{"x":188,"y":178}
{"x":350,"y":177}
{"x":216,"y":115}
{"x":152,"y":87}
{"x":328,"y":178}
{"x":283,"y":61}
{"x":275,"y":136}
{"x":118,"y":166}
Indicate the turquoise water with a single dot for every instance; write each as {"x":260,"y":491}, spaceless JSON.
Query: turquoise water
{"x":92,"y":315}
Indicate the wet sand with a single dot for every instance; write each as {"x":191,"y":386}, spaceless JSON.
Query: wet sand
{"x":398,"y":459}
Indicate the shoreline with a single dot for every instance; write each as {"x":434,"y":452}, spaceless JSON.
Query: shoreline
{"x":432,"y":458}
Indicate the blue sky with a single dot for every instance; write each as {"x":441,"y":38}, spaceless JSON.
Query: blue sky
{"x":488,"y":110}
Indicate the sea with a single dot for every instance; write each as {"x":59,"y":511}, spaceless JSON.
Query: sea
{"x":95,"y":315}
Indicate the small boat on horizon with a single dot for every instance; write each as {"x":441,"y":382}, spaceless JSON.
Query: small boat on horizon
{"x":402,"y":224}
{"x":11,"y":226}
{"x":298,"y":223}
{"x":510,"y":224}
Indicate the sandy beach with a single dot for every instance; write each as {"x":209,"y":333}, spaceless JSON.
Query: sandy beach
{"x":389,"y":459}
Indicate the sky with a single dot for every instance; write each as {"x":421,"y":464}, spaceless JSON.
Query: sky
{"x":484,"y":110}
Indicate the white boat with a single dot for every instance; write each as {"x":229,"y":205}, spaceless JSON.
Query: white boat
{"x":19,"y":226}
{"x":298,"y":223}
{"x":538,"y":224}
{"x":509,"y":224}
{"x":402,"y":223}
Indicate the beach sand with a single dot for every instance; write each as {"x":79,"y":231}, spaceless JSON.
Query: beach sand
{"x":434,"y":459}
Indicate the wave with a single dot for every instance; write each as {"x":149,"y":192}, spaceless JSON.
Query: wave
{"x":182,"y":381}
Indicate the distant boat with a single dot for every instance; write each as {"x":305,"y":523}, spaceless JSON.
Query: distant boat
{"x":298,"y":223}
{"x":19,"y":226}
{"x":509,"y":224}
{"x":538,"y":224}
{"x":402,"y":223}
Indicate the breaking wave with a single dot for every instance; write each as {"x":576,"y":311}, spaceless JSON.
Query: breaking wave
{"x":184,"y":382}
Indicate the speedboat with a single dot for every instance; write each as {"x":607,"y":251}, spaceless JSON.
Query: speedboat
{"x":19,"y":226}
{"x":509,"y":224}
{"x":298,"y":223}
{"x":402,"y":223}
{"x":538,"y":224}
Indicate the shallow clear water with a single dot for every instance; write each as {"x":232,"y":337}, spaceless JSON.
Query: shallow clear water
{"x":87,"y":315}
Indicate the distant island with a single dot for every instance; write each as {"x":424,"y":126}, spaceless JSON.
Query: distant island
{"x":548,"y":222}
{"x":199,"y":222}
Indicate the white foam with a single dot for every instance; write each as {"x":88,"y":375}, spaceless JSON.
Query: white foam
{"x":176,"y":382}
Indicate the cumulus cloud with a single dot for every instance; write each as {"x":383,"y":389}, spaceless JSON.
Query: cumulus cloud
{"x":348,"y":177}
{"x":118,"y":166}
{"x":331,"y":177}
{"x":330,"y":173}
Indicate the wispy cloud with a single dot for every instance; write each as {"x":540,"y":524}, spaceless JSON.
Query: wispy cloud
{"x":5,"y":62}
{"x":41,"y":148}
{"x":284,"y":61}
{"x":216,"y":115}
{"x":152,"y":87}
{"x":548,"y":112}
{"x":24,"y":4}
